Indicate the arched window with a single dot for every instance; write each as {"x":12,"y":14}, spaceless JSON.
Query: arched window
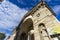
{"x":41,"y":24}
{"x":41,"y":27}
{"x":43,"y":32}
{"x":23,"y":36}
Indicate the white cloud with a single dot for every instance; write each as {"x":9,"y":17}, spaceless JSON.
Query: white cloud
{"x":10,"y":16}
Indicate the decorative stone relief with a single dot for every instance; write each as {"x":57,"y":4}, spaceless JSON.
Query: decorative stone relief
{"x":38,"y":15}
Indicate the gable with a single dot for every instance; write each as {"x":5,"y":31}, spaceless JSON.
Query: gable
{"x":39,"y":6}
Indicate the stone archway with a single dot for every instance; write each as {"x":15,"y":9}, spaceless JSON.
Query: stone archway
{"x":26,"y":30}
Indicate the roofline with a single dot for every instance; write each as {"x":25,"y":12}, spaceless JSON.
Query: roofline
{"x":41,"y":3}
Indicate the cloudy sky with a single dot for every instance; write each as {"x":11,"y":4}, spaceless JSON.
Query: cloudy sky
{"x":12,"y":11}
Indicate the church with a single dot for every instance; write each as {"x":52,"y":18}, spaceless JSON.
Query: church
{"x":40,"y":23}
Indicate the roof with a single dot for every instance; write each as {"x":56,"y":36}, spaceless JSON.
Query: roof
{"x":42,"y":3}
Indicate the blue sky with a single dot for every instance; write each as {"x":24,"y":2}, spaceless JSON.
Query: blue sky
{"x":12,"y":11}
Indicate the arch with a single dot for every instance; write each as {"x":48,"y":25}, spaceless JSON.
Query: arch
{"x":42,"y":24}
{"x":26,"y":26}
{"x":41,"y":27}
{"x":43,"y":32}
{"x":29,"y":17}
{"x":28,"y":22}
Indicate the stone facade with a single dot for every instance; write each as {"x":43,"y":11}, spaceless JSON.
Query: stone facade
{"x":37,"y":24}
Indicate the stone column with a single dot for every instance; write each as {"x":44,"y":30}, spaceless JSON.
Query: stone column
{"x":36,"y":33}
